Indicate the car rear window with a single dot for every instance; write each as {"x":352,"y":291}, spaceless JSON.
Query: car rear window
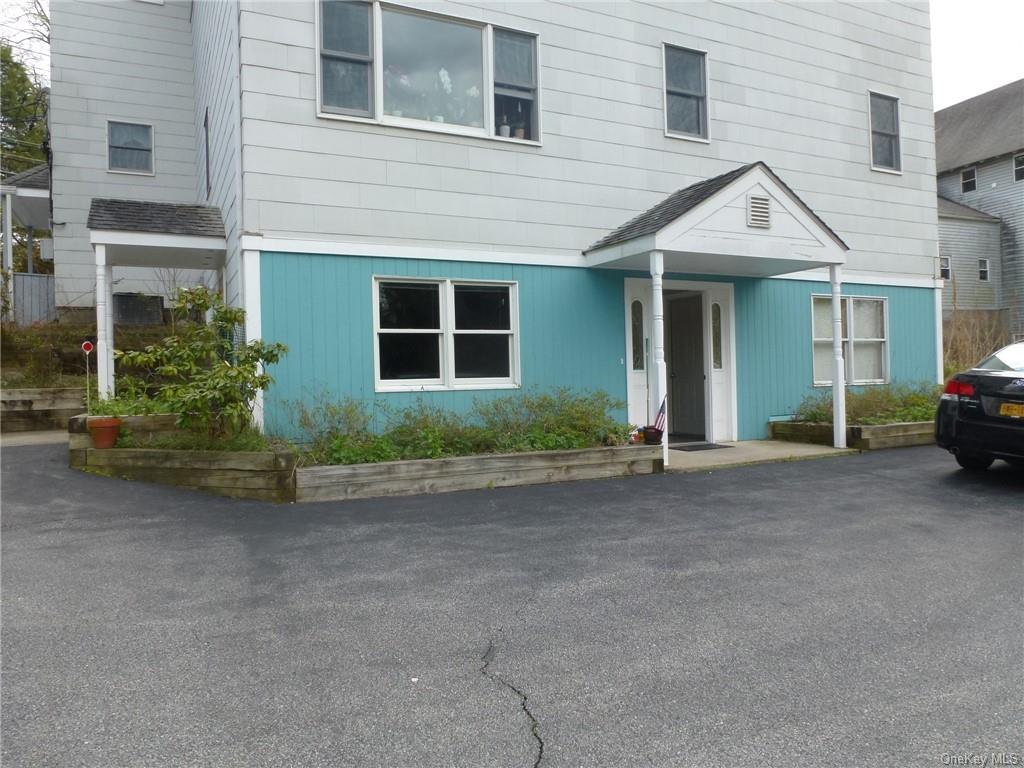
{"x":1010,"y":358}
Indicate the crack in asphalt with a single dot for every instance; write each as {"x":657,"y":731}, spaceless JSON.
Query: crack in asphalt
{"x":534,"y":723}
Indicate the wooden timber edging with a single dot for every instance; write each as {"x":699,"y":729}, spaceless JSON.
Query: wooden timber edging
{"x":405,"y":478}
{"x":29,"y":410}
{"x":865,"y":438}
{"x":265,"y":475}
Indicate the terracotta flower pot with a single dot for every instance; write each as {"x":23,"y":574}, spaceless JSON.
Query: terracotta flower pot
{"x":104,"y":431}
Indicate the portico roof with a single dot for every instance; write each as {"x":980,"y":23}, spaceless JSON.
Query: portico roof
{"x":141,"y":233}
{"x":706,"y":228}
{"x":29,"y":194}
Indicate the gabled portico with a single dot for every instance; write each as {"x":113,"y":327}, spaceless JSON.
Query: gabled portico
{"x":744,"y":223}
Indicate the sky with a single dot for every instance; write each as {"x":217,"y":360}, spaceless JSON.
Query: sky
{"x":976,"y":45}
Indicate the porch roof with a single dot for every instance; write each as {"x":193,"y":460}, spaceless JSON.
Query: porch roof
{"x":704,"y":229}
{"x":29,"y":194}
{"x":140,"y":233}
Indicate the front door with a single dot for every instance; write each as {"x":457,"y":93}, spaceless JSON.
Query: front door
{"x":638,"y":353}
{"x":685,"y":353}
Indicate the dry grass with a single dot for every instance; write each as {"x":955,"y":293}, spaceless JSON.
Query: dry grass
{"x":968,"y":336}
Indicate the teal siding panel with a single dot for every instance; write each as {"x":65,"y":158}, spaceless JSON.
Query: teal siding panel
{"x":572,"y":330}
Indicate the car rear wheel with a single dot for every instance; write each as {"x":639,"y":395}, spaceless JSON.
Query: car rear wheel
{"x":974,"y":461}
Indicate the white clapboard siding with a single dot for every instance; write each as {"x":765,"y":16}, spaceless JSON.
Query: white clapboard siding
{"x":788,"y":85}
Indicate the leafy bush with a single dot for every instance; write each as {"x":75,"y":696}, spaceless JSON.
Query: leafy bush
{"x":890,"y":404}
{"x":248,"y":439}
{"x":199,"y":371}
{"x":340,"y":433}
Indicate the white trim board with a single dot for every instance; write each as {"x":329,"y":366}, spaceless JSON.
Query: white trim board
{"x":380,"y":250}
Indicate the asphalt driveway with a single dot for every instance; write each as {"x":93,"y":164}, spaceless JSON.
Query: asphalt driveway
{"x":861,"y":610}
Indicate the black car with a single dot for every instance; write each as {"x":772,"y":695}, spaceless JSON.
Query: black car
{"x":981,"y":413}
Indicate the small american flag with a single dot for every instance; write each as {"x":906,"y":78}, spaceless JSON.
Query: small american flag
{"x":659,"y":420}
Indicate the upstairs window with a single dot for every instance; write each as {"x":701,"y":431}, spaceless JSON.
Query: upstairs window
{"x":983,"y":270}
{"x":968,"y":180}
{"x":129,"y":147}
{"x":686,"y":101}
{"x":1018,"y":168}
{"x":885,"y":133}
{"x":426,"y":71}
{"x":945,"y":268}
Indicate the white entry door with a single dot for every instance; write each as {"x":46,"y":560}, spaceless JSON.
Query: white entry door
{"x":720,"y":341}
{"x":638,"y":352}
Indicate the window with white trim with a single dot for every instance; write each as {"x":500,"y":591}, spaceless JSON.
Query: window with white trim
{"x":885,"y":132}
{"x":968,"y":180}
{"x":686,"y":98}
{"x":129,"y":147}
{"x":441,"y":334}
{"x":945,"y":267}
{"x":983,"y":270}
{"x":1018,"y":168}
{"x":427,"y":71}
{"x":865,"y":340}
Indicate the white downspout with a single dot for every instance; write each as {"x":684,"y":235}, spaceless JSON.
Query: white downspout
{"x":9,"y":248}
{"x":252,"y":302}
{"x":839,"y":367}
{"x":660,"y":370}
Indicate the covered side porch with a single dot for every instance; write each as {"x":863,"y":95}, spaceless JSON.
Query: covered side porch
{"x":746,"y":223}
{"x":135,"y":233}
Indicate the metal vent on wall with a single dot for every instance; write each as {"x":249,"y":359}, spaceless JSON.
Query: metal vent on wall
{"x":759,"y":211}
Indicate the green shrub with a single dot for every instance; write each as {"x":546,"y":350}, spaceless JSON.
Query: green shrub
{"x":341,"y":433}
{"x":890,"y":404}
{"x":248,"y":439}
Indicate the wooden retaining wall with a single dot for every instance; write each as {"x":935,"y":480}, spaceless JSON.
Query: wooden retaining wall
{"x":865,"y":438}
{"x":267,"y":476}
{"x":404,"y":478}
{"x":142,"y":428}
{"x":26,"y":410}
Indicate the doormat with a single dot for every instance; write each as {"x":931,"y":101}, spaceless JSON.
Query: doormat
{"x":698,"y":447}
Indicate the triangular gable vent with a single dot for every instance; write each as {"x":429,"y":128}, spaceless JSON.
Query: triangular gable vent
{"x":759,"y":211}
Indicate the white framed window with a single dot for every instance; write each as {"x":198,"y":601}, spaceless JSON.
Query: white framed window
{"x":983,"y":270}
{"x":865,"y":339}
{"x":945,"y":267}
{"x":968,"y":180}
{"x":445,"y":334}
{"x":685,"y":73}
{"x":387,"y":64}
{"x":1018,"y":168}
{"x":885,"y":132}
{"x":130,"y":147}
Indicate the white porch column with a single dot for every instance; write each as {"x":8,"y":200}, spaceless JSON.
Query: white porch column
{"x":660,"y":370}
{"x":251,"y":299}
{"x":104,"y":325}
{"x":9,"y":231}
{"x":839,"y":367}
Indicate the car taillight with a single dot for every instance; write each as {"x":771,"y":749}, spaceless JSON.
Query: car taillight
{"x":959,"y":388}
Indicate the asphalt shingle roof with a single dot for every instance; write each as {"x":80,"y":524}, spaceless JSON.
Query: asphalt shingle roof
{"x":164,"y":218}
{"x":684,"y":200}
{"x":34,"y":178}
{"x":986,"y":126}
{"x":959,"y":211}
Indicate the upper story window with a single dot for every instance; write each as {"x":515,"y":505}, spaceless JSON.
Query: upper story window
{"x":130,"y":147}
{"x":983,"y":270}
{"x":1018,"y":168}
{"x":945,"y":267}
{"x":969,"y":180}
{"x":402,"y":67}
{"x":686,"y":99}
{"x":885,"y":132}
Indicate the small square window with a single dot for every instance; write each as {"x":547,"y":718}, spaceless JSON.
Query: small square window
{"x":968,"y":180}
{"x":945,"y":268}
{"x":1018,"y":168}
{"x":129,"y":147}
{"x":983,"y":270}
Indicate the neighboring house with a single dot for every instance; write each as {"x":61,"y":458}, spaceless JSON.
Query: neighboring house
{"x":979,"y":145}
{"x":452,"y":201}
